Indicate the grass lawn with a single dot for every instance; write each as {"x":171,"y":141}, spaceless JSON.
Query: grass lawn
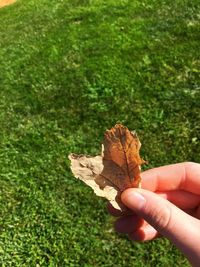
{"x":69,"y":70}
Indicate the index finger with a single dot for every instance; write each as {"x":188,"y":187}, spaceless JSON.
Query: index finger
{"x":180,"y":176}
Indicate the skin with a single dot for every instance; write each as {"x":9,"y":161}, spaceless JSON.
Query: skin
{"x":168,"y":204}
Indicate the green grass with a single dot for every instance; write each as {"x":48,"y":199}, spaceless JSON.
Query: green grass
{"x":69,"y":70}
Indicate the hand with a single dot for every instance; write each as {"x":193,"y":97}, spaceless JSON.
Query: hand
{"x":168,"y":204}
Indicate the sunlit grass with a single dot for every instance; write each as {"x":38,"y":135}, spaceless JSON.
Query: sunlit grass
{"x":69,"y":70}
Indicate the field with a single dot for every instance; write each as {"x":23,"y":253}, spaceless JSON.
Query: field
{"x":70,"y":70}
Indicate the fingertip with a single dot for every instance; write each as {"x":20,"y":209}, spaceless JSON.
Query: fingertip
{"x":118,"y":213}
{"x":128,"y":224}
{"x":127,"y":193}
{"x":143,"y":234}
{"x":114,"y":212}
{"x":137,"y":236}
{"x":133,"y":199}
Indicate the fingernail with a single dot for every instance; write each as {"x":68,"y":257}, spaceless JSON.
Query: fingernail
{"x":134,"y":200}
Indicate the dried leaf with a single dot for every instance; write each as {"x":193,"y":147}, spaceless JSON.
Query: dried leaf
{"x":117,"y":169}
{"x":89,"y":170}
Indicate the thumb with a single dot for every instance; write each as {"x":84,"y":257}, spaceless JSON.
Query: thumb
{"x":165,"y":217}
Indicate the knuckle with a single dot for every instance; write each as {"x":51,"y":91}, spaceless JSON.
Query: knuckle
{"x":161,"y":218}
{"x":190,"y":164}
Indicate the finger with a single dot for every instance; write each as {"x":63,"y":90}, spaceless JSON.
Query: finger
{"x":180,"y":176}
{"x":118,"y":213}
{"x":170,"y":221}
{"x":128,"y":224}
{"x":144,"y":233}
{"x":181,"y":198}
{"x":114,"y":212}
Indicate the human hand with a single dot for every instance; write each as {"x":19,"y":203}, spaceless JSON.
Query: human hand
{"x":168,"y":204}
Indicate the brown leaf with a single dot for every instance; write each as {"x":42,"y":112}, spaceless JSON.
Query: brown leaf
{"x":117,"y":169}
{"x":121,"y":155}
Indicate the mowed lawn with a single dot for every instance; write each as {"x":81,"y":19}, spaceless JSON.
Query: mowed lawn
{"x":69,"y":70}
